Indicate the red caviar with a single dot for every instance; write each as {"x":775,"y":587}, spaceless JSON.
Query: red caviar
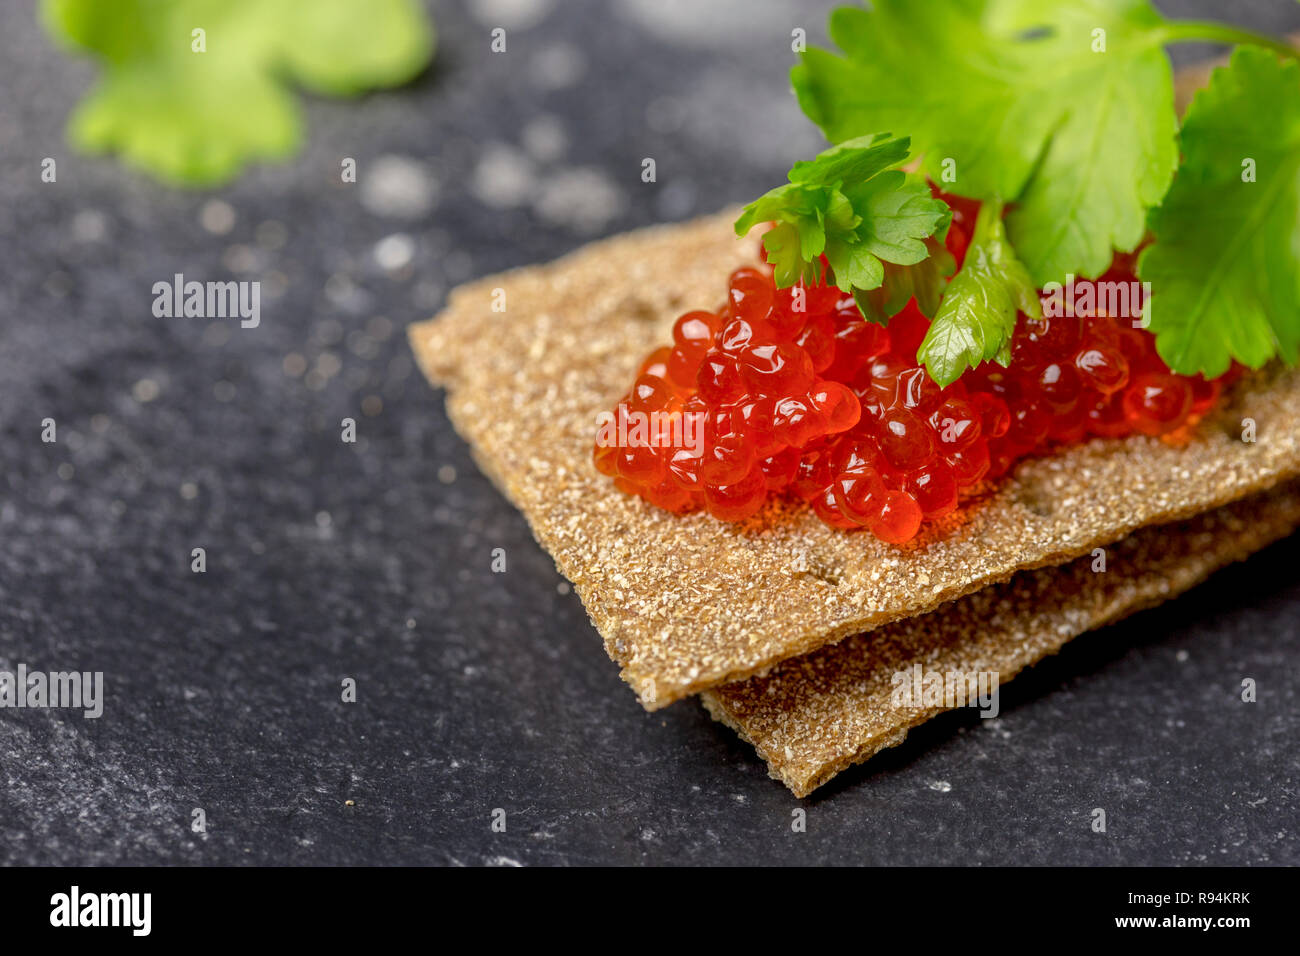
{"x":792,"y":392}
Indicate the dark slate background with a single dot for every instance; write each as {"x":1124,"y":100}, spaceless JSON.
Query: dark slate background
{"x":327,"y":560}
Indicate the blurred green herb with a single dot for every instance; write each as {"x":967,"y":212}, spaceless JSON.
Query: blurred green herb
{"x":194,"y":89}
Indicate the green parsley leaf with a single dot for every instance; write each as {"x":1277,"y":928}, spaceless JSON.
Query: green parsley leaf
{"x":924,"y":281}
{"x":851,"y":204}
{"x":1016,"y":94}
{"x":785,"y":252}
{"x":196,"y":117}
{"x":1223,"y":268}
{"x":977,"y":315}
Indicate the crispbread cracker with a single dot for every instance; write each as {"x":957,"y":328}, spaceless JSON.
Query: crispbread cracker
{"x":687,"y":603}
{"x":814,"y":716}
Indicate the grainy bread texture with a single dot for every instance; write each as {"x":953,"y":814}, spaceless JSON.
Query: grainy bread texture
{"x":816,"y":715}
{"x":685,"y":604}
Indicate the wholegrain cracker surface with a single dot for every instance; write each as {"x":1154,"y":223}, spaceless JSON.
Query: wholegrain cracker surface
{"x":687,"y":603}
{"x":816,"y":715}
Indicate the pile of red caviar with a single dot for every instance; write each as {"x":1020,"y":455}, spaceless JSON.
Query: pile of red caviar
{"x":792,"y":392}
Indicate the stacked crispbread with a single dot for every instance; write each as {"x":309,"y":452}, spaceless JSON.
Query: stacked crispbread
{"x":813,"y":716}
{"x":790,"y":628}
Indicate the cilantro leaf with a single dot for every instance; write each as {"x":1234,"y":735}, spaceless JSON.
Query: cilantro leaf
{"x":853,"y":206}
{"x":1013,"y":93}
{"x":196,"y":117}
{"x":1223,"y":272}
{"x":977,"y":315}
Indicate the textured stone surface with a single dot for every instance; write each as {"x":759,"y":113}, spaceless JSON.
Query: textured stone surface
{"x":223,"y":689}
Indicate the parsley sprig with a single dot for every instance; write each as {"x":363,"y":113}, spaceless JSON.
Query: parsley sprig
{"x":853,"y":205}
{"x":1223,"y":266}
{"x":977,"y":315}
{"x":1065,"y":110}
